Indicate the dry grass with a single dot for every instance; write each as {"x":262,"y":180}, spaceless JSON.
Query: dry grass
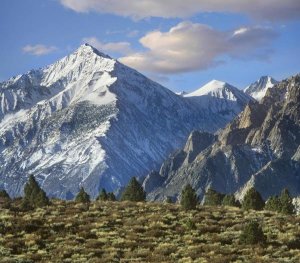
{"x":143,"y":232}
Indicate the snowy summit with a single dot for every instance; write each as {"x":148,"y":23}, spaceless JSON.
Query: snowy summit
{"x":88,"y":120}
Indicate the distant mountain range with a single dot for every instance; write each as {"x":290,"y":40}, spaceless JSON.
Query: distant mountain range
{"x":88,"y":120}
{"x":260,"y":148}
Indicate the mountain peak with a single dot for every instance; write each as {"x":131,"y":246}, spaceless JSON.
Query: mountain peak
{"x":86,"y":48}
{"x":259,"y":88}
{"x":216,"y":83}
{"x":210,"y":88}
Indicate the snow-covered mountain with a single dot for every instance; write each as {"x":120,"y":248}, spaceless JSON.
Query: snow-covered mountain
{"x":88,"y":120}
{"x":220,"y":98}
{"x":258,"y":89}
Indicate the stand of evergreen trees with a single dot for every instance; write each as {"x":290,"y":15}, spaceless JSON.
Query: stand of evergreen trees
{"x":252,"y":200}
{"x":35,"y":196}
{"x":282,"y":204}
{"x":103,"y":196}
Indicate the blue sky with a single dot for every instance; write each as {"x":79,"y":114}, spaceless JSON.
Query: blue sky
{"x":182,"y":47}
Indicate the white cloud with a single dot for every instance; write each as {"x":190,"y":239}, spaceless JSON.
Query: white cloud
{"x":190,"y":47}
{"x":39,"y":49}
{"x":273,"y":10}
{"x":122,"y":48}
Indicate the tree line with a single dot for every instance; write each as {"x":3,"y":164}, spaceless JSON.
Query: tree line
{"x":35,"y":196}
{"x":252,"y":200}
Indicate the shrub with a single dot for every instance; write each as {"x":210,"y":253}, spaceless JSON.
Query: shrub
{"x":82,"y":196}
{"x":253,"y":200}
{"x":189,"y":199}
{"x":252,"y":234}
{"x":134,"y":192}
{"x":213,"y":198}
{"x":190,"y":224}
{"x":229,"y":200}
{"x":34,"y":195}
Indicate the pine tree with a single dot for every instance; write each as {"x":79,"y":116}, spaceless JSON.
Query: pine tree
{"x":273,"y":204}
{"x":286,"y":202}
{"x":189,"y":199}
{"x":213,"y":198}
{"x":169,"y":200}
{"x":4,"y":195}
{"x":111,"y":197}
{"x":82,"y":196}
{"x":34,"y":196}
{"x":102,"y":195}
{"x":253,"y":200}
{"x":134,"y":192}
{"x":252,"y":234}
{"x":4,"y":199}
{"x":229,"y":200}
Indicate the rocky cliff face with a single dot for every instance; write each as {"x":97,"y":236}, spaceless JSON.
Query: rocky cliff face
{"x":258,"y":148}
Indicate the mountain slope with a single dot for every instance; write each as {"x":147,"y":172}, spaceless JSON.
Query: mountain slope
{"x":258,"y":148}
{"x":258,"y":89}
{"x":87,"y":120}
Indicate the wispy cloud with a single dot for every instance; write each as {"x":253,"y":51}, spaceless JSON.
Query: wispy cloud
{"x":273,"y":10}
{"x":39,"y":49}
{"x":192,"y":46}
{"x":132,"y":33}
{"x":120,"y":48}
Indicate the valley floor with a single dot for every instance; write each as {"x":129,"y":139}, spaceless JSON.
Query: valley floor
{"x":143,"y":232}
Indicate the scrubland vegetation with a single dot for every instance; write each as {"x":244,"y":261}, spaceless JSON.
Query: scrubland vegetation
{"x":144,"y":232}
{"x":36,"y":229}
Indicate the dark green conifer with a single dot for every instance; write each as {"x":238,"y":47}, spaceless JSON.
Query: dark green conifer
{"x":102,"y":195}
{"x":286,"y":202}
{"x":5,"y":200}
{"x":213,"y":198}
{"x":253,"y":200}
{"x":229,"y":200}
{"x":169,"y":200}
{"x":4,"y":194}
{"x":34,"y":195}
{"x":111,"y":197}
{"x":82,"y":196}
{"x":252,"y":234}
{"x":134,"y":192}
{"x":189,"y":199}
{"x":273,"y":204}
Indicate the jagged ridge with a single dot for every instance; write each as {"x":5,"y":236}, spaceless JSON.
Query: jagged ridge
{"x":258,"y":148}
